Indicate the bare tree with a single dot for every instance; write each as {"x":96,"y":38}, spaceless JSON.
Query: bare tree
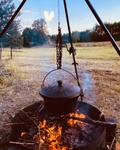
{"x":40,"y":24}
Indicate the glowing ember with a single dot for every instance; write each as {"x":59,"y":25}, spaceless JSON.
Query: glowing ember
{"x":23,"y":133}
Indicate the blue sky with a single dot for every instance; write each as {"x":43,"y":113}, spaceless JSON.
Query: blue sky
{"x":80,"y":16}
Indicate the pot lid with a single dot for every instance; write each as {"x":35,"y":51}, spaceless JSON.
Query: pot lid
{"x":60,"y":90}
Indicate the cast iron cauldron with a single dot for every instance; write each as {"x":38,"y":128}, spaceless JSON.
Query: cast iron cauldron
{"x":60,"y":96}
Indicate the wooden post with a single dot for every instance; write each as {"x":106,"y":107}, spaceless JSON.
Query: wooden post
{"x":11,"y":52}
{"x":1,"y":51}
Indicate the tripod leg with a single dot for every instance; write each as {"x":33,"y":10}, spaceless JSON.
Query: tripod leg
{"x":104,"y":27}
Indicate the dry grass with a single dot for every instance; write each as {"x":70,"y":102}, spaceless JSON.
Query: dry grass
{"x":8,"y":73}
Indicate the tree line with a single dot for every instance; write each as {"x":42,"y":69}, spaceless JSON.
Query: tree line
{"x":96,"y":34}
{"x":37,"y":35}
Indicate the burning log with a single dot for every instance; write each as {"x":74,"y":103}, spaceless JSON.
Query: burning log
{"x":91,"y":121}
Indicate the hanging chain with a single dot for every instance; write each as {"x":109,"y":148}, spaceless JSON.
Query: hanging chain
{"x":59,"y":42}
{"x":59,"y":48}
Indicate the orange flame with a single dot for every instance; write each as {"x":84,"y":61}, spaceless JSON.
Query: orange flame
{"x":52,"y":134}
{"x":72,"y":121}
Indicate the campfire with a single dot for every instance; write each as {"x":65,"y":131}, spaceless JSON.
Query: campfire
{"x":38,"y":129}
{"x":60,"y":133}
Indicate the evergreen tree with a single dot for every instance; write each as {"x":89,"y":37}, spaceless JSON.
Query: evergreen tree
{"x":7,"y":9}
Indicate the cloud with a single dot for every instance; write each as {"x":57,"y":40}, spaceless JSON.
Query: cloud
{"x":113,"y":19}
{"x":29,"y":12}
{"x":48,"y":16}
{"x":18,"y":0}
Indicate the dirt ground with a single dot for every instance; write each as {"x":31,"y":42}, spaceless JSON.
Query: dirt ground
{"x":100,"y":80}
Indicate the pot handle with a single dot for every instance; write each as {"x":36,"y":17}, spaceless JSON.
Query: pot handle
{"x":42,"y":85}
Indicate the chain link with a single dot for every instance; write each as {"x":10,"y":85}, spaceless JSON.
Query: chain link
{"x":59,"y":48}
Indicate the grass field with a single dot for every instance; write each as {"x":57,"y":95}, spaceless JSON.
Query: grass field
{"x":93,"y":52}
